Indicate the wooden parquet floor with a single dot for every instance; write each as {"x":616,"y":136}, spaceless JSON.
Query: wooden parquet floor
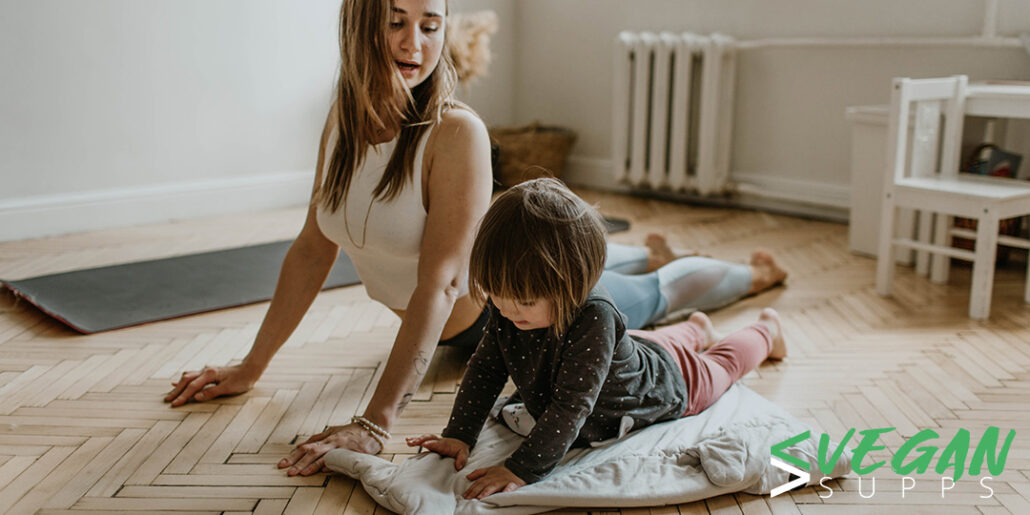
{"x":83,"y":428}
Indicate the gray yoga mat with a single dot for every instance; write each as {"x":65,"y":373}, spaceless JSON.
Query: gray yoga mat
{"x":615,"y":225}
{"x":112,"y":297}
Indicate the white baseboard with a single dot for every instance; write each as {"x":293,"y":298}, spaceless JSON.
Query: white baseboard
{"x":768,"y":192}
{"x":37,"y":217}
{"x":592,"y":172}
{"x":793,"y":190}
{"x":50,"y":215}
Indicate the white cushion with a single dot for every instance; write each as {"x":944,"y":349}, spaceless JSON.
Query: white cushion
{"x":724,"y":449}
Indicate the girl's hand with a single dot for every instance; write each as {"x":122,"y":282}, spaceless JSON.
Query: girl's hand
{"x":491,"y":480}
{"x":449,"y":447}
{"x":308,"y":457}
{"x":209,"y":383}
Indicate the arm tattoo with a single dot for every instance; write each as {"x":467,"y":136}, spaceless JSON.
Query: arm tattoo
{"x":421,"y":364}
{"x":404,"y":402}
{"x":421,"y":367}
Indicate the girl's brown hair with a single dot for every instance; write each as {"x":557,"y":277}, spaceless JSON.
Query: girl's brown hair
{"x":371,"y":95}
{"x":539,"y":240}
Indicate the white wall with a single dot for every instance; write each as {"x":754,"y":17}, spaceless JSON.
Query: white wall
{"x":789,"y":124}
{"x":1013,"y":16}
{"x":493,"y":96}
{"x":115,"y":93}
{"x":122,"y":112}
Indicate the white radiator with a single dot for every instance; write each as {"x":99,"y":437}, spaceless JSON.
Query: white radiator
{"x":673,"y":111}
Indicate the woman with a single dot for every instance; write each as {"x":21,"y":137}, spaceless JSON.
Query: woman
{"x":403,"y":178}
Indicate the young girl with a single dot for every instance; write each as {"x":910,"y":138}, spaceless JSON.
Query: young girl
{"x":537,"y":258}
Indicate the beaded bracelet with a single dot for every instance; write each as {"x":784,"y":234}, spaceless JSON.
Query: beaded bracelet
{"x":378,"y":439}
{"x":377,"y":433}
{"x":371,"y":426}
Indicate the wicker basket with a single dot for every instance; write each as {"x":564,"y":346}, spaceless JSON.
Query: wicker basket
{"x":530,"y":152}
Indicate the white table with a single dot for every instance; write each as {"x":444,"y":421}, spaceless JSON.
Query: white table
{"x":1000,"y":100}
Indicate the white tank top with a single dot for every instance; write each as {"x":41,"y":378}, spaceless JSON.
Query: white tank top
{"x":386,"y":252}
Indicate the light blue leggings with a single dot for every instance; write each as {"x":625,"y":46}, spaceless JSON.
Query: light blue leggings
{"x":687,"y":283}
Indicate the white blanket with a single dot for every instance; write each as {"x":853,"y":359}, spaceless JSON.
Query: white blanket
{"x":724,"y":449}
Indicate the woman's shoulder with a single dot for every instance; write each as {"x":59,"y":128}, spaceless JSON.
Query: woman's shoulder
{"x":459,"y":124}
{"x":459,"y":142}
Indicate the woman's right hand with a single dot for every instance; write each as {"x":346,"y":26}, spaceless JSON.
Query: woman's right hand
{"x":209,"y":383}
{"x":449,"y":447}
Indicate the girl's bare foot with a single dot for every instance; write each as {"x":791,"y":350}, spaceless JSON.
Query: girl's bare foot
{"x":702,"y":320}
{"x":765,"y":273}
{"x":659,"y":253}
{"x":771,"y":319}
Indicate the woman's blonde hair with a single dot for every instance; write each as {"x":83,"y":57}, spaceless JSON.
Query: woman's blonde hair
{"x":371,"y":95}
{"x":539,"y":240}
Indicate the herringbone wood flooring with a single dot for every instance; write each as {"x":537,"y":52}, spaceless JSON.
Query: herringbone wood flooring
{"x":83,"y":428}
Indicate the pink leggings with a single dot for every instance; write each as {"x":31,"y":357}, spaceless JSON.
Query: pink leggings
{"x":711,"y":372}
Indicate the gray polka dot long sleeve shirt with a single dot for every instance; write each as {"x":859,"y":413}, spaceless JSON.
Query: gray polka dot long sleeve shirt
{"x":577,"y":386}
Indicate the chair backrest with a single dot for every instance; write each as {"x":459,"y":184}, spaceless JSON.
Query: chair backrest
{"x":929,"y":99}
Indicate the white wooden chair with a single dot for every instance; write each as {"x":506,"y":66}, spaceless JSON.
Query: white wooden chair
{"x":913,"y":180}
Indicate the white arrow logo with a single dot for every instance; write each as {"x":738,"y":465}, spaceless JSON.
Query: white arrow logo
{"x":801,"y":480}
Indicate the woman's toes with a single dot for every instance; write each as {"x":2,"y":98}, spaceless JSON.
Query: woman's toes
{"x":659,"y":253}
{"x":765,"y":272}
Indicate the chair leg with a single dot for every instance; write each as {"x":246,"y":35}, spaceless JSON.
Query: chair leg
{"x":885,"y":249}
{"x":924,"y":236}
{"x":1026,"y":294}
{"x":905,"y":227}
{"x":983,"y":265}
{"x":942,"y":236}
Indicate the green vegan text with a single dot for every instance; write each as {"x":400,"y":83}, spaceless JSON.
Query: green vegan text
{"x":953,"y":456}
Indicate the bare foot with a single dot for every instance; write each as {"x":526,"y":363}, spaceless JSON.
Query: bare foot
{"x":659,"y":253}
{"x":765,"y":273}
{"x":701,"y":319}
{"x":771,"y":319}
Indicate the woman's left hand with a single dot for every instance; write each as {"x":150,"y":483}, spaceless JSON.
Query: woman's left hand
{"x":309,"y":457}
{"x":491,"y":480}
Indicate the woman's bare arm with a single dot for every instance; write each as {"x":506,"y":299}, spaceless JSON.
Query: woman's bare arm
{"x":459,"y":195}
{"x":459,"y":186}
